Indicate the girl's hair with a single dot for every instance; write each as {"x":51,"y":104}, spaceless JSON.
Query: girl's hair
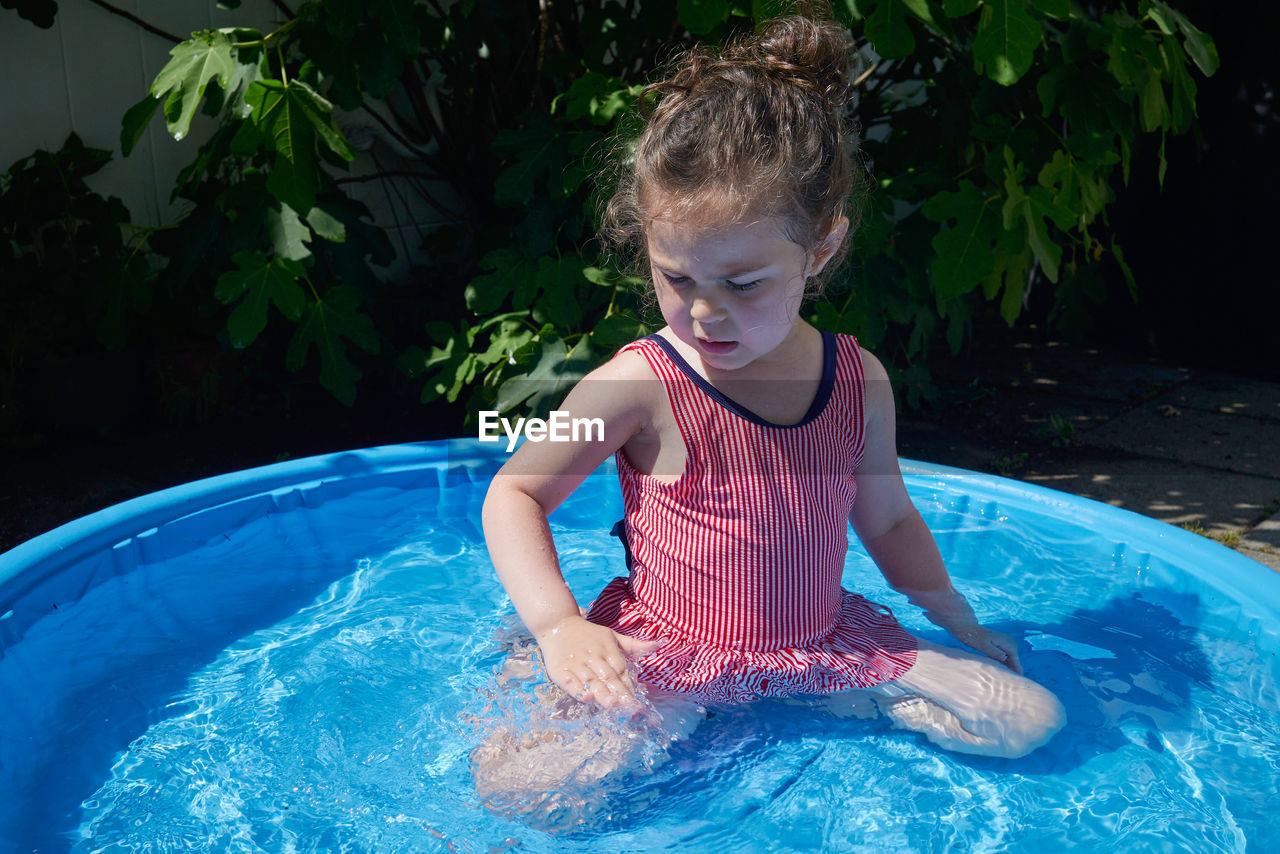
{"x":759,"y":128}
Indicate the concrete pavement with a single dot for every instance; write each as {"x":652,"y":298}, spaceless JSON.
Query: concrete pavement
{"x":1191,"y":448}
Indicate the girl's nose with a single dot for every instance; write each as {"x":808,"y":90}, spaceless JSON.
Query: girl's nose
{"x":704,"y":309}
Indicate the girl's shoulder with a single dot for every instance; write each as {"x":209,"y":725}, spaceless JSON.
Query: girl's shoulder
{"x":871,"y":368}
{"x":629,"y":363}
{"x":623,"y":387}
{"x":877,"y":393}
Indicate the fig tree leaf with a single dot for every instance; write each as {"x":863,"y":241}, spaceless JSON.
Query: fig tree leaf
{"x":250,"y":66}
{"x":278,"y":117}
{"x":1155,"y":109}
{"x":558,"y":280}
{"x":1060,"y":9}
{"x":701,"y":16}
{"x":1200,"y":46}
{"x":398,"y":25}
{"x":39,"y":12}
{"x":327,"y":225}
{"x":319,"y":113}
{"x":1007,"y":39}
{"x":135,"y":122}
{"x":616,"y":331}
{"x":281,"y":115}
{"x":446,"y":367}
{"x":552,"y":354}
{"x":203,"y":57}
{"x":257,"y":282}
{"x":246,"y":140}
{"x":509,"y":270}
{"x":1032,"y":208}
{"x":889,"y":31}
{"x":959,"y":8}
{"x":327,"y":325}
{"x":539,"y":155}
{"x":288,"y":233}
{"x":294,"y":184}
{"x":964,"y":251}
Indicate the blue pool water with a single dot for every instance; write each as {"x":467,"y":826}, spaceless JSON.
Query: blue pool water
{"x":301,"y":658}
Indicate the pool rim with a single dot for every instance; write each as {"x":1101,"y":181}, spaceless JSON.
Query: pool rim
{"x":46,"y":554}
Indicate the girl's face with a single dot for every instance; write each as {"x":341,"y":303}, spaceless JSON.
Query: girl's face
{"x":733,"y":293}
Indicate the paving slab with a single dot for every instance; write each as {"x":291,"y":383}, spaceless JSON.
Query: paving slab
{"x":1044,"y":412}
{"x":1179,"y":493}
{"x":1161,"y":429}
{"x":1087,"y":372}
{"x":1265,"y":535}
{"x":1266,"y":558}
{"x":1227,"y":395}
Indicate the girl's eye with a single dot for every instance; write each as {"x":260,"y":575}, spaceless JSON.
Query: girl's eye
{"x":742,"y":287}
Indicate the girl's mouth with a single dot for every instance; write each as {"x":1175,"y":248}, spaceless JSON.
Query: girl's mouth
{"x":717,"y":347}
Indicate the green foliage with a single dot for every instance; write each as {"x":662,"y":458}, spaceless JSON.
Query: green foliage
{"x":39,"y":12}
{"x":72,"y":268}
{"x":997,"y":131}
{"x":74,"y":274}
{"x":296,"y":241}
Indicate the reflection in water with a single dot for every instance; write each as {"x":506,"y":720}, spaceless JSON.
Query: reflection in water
{"x":1153,"y":661}
{"x":345,"y":710}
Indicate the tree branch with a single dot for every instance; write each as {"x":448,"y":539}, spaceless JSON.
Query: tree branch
{"x":387,"y":173}
{"x":448,"y":213}
{"x":135,"y":19}
{"x":283,"y":8}
{"x":862,"y":78}
{"x":395,"y":134}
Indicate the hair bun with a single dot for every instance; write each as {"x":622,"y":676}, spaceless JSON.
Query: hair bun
{"x":757,"y":129}
{"x":815,"y":54}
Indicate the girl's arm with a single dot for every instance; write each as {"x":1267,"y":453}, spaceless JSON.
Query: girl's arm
{"x":896,"y":536}
{"x":585,"y":659}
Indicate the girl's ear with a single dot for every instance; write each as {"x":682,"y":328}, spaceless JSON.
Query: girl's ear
{"x":827,"y":247}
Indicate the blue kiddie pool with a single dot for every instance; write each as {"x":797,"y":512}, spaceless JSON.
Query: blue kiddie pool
{"x":301,"y":657}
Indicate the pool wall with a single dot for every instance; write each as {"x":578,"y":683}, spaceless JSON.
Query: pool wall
{"x":84,"y":683}
{"x":60,"y":566}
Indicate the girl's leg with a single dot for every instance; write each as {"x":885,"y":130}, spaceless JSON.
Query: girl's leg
{"x":964,"y":702}
{"x":563,"y":749}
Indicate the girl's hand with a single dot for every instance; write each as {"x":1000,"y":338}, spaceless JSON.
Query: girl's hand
{"x":992,"y":644}
{"x":945,"y":607}
{"x":589,"y":661}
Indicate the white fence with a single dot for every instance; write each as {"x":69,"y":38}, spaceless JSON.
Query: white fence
{"x":85,"y":72}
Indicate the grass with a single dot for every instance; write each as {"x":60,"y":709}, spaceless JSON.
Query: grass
{"x":1230,"y":538}
{"x":1059,"y":430}
{"x":1007,"y":466}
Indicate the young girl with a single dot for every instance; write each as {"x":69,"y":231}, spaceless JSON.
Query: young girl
{"x":746,"y":441}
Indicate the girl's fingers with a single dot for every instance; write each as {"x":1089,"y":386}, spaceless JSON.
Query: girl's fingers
{"x":634,"y":647}
{"x":1014,"y":664}
{"x":589,"y":662}
{"x":616,"y":664}
{"x":602,"y":683}
{"x":570,"y":684}
{"x":1005,"y":649}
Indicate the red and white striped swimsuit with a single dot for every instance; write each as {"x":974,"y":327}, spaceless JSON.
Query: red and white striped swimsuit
{"x":736,"y":565}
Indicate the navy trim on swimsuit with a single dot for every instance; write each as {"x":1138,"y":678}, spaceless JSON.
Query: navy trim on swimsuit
{"x":815,"y":409}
